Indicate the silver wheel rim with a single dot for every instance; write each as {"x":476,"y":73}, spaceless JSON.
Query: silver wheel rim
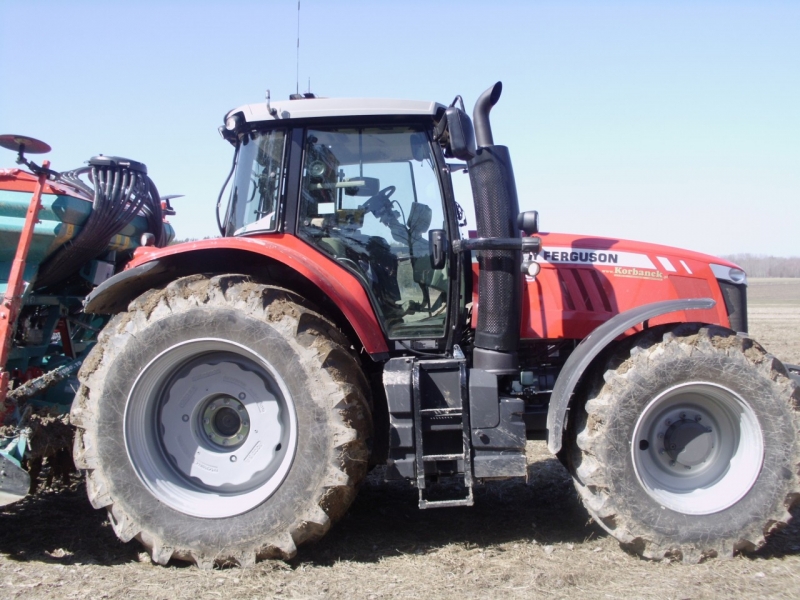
{"x":697,"y":448}
{"x":210,"y":428}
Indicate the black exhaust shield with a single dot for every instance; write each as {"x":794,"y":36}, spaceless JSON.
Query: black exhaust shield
{"x":496,"y":208}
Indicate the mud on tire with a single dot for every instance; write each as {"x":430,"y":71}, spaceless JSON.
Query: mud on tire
{"x":689,"y":447}
{"x":221,"y":421}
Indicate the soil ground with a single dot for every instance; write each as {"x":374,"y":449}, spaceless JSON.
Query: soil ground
{"x":519,"y":540}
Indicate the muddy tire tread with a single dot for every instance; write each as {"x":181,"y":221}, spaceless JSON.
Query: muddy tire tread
{"x":318,"y":342}
{"x":592,"y":480}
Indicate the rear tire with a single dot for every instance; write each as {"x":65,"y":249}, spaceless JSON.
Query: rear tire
{"x":221,"y":421}
{"x":690,"y":447}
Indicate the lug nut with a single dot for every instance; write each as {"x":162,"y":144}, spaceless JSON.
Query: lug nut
{"x":233,"y":458}
{"x":185,"y":418}
{"x":242,"y":395}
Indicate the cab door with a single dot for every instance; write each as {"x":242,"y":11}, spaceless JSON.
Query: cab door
{"x":369,"y":198}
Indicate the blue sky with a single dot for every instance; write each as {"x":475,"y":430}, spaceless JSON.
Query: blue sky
{"x":674,"y":122}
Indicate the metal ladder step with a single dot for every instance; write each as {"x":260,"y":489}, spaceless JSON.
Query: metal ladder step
{"x":441,"y":412}
{"x":433,"y":457}
{"x":465,"y":455}
{"x":425,"y":503}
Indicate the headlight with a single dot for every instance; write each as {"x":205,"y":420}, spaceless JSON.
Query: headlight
{"x":232,"y":123}
{"x":732,"y":274}
{"x":737,"y":275}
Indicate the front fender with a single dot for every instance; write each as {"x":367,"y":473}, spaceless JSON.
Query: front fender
{"x":268,"y":259}
{"x":591,"y":346}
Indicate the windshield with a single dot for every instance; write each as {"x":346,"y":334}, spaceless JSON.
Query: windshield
{"x":257,"y":186}
{"x":369,"y":198}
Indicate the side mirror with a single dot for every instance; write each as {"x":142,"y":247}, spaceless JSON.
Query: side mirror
{"x":456,"y":135}
{"x":437,"y":246}
{"x":461,"y":138}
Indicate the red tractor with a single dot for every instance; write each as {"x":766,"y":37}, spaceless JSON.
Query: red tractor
{"x":246,"y":384}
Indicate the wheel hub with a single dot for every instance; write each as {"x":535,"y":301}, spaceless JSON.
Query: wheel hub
{"x":697,"y":448}
{"x":225,"y":421}
{"x":687,"y":442}
{"x":210,"y":428}
{"x":214,"y":444}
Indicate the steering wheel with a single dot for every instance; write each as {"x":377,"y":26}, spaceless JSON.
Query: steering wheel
{"x":380,"y":201}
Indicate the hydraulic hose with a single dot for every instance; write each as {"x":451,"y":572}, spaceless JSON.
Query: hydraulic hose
{"x":121,"y":191}
{"x":225,"y":185}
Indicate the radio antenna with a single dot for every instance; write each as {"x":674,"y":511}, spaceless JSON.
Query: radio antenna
{"x":297,"y":74}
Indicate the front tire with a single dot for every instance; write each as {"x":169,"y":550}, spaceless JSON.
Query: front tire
{"x":690,"y":448}
{"x":221,"y":421}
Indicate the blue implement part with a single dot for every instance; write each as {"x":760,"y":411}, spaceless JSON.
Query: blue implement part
{"x":60,"y":220}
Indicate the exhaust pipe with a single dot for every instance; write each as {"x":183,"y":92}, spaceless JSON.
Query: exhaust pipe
{"x":480,"y":114}
{"x":496,"y":208}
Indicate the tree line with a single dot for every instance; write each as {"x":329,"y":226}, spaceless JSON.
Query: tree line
{"x":758,"y":265}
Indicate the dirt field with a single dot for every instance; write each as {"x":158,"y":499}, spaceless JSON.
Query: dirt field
{"x":774,"y":314}
{"x":519,"y":541}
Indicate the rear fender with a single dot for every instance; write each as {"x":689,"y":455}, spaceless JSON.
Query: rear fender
{"x":282,"y":260}
{"x":591,"y":346}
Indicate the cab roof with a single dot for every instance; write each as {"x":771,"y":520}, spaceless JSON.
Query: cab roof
{"x":319,"y":108}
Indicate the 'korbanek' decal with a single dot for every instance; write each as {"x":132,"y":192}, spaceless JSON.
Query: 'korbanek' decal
{"x":634,"y":273}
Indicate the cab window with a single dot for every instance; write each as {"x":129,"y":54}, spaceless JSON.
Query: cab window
{"x":255,"y":196}
{"x":369,"y":197}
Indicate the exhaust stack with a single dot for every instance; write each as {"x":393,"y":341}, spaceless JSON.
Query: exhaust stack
{"x":480,"y":115}
{"x":496,"y":208}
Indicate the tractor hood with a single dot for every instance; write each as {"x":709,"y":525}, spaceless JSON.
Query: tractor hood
{"x":584,"y":281}
{"x":604,"y":253}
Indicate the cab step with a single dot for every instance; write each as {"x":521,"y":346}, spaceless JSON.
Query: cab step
{"x":442,"y":431}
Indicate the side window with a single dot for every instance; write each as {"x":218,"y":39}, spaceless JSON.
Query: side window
{"x":369,"y":197}
{"x":255,"y":197}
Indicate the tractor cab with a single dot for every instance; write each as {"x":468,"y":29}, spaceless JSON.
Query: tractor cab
{"x":366,"y":192}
